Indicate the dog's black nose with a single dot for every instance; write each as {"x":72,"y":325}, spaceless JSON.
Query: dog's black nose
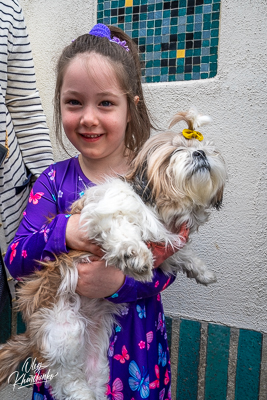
{"x":199,"y":153}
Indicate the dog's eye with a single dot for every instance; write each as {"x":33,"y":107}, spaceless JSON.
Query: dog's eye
{"x":176,"y":151}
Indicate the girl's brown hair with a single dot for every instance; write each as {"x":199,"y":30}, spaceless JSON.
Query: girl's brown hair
{"x":127,"y":68}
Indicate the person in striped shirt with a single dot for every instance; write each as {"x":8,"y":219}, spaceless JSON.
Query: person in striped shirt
{"x":23,"y":129}
{"x":23,"y":132}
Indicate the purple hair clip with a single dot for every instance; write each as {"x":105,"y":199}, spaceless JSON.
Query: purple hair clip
{"x":122,"y":43}
{"x":102,"y":30}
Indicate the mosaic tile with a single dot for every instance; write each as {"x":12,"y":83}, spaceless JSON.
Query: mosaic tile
{"x":177,"y":40}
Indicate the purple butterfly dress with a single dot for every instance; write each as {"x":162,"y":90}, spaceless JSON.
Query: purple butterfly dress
{"x":138,"y":351}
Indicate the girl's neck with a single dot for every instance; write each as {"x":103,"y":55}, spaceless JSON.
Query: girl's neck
{"x":97,"y":170}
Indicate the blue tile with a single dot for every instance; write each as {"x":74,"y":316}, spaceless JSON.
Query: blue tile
{"x":196,"y":75}
{"x":205,"y":51}
{"x":164,"y":78}
{"x":204,"y":67}
{"x":166,"y":14}
{"x":198,"y":9}
{"x":182,"y":11}
{"x":181,"y":20}
{"x":181,"y":28}
{"x":207,"y":9}
{"x":190,"y":19}
{"x":206,"y":34}
{"x":165,"y":30}
{"x":189,"y":28}
{"x":142,"y":32}
{"x":157,"y":39}
{"x":157,"y":55}
{"x":180,"y":77}
{"x":197,"y":52}
{"x":197,"y":27}
{"x":248,"y":365}
{"x":199,"y":18}
{"x":149,"y":71}
{"x":158,"y":14}
{"x":166,"y":22}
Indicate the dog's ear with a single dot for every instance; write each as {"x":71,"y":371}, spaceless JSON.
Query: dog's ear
{"x":217,"y":199}
{"x":77,"y":206}
{"x":141,"y":184}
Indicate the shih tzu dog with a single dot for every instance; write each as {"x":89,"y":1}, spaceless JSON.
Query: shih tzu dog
{"x":176,"y":178}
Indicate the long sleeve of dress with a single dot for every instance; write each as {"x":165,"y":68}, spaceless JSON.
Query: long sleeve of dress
{"x":133,"y":290}
{"x":36,"y":238}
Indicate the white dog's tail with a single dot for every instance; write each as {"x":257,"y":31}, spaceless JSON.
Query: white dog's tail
{"x":193,"y":119}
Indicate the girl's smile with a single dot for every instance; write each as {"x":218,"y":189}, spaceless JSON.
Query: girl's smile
{"x":91,"y":138}
{"x":94,"y":111}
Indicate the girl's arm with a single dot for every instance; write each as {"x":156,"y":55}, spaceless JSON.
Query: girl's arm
{"x":36,"y":237}
{"x":133,"y":290}
{"x":96,"y":280}
{"x":39,"y":238}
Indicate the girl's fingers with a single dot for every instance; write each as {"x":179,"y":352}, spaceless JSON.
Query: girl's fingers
{"x":76,"y":240}
{"x":95,"y":249}
{"x":96,"y":280}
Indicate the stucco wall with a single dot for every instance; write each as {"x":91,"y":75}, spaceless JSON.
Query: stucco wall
{"x":234,"y":241}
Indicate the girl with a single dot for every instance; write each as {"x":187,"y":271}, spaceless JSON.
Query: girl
{"x":100,"y":102}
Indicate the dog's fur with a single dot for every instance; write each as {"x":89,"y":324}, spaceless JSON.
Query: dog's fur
{"x":172,"y":180}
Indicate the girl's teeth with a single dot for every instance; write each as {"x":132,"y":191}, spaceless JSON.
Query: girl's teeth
{"x":91,"y":136}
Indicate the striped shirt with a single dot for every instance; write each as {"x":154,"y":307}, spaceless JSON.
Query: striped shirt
{"x":21,"y":115}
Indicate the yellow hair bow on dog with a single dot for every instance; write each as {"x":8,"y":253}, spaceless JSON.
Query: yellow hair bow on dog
{"x":189,"y":134}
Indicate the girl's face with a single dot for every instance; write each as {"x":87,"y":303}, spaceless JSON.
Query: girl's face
{"x":94,"y":109}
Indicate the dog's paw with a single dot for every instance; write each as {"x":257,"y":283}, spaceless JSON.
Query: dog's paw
{"x":198,"y":270}
{"x":138,"y":263}
{"x":206,"y":277}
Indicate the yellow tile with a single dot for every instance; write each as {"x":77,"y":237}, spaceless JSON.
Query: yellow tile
{"x":128,"y":3}
{"x":180,"y":54}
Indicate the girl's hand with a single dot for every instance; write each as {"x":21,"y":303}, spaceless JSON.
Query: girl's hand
{"x":161,"y":253}
{"x":76,"y":240}
{"x":96,"y":280}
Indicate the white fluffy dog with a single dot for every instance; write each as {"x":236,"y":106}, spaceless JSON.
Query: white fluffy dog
{"x":173,"y":180}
